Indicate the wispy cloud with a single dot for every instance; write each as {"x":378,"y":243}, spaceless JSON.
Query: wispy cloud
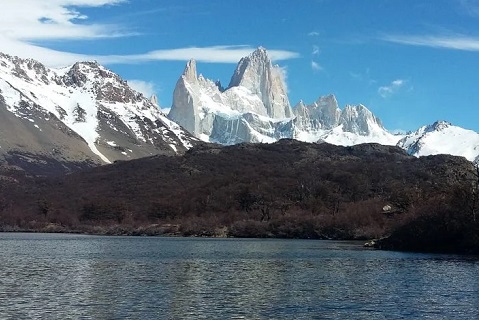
{"x":214,"y":54}
{"x":145,"y":87}
{"x":59,"y":20}
{"x":41,"y":20}
{"x":392,"y":88}
{"x":455,"y":42}
{"x":283,"y":75}
{"x":313,"y":34}
{"x":315,"y":66}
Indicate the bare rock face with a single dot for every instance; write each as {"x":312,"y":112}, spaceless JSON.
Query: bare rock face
{"x":257,"y":74}
{"x":324,"y":114}
{"x":85,"y":113}
{"x":255,"y":103}
{"x":187,"y":102}
{"x":323,"y":120}
{"x":359,"y":120}
{"x":255,"y":108}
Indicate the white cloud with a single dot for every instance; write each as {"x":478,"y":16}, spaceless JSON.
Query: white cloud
{"x":316,"y":66}
{"x":214,"y":54}
{"x":145,"y":87}
{"x":58,"y":19}
{"x":54,"y":19}
{"x":392,"y":88}
{"x":313,"y":34}
{"x":456,"y":42}
{"x":315,"y":51}
{"x":283,"y":75}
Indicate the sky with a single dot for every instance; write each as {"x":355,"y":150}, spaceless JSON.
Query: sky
{"x":411,"y":62}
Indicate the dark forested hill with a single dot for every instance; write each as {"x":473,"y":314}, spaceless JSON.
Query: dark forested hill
{"x":285,"y":189}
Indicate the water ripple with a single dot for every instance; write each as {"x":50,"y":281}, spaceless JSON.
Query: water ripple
{"x":86,"y":277}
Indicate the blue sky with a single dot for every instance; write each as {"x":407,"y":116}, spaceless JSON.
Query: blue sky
{"x":411,"y":62}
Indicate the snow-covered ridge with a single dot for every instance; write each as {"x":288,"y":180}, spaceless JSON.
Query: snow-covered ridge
{"x":88,"y":99}
{"x":442,"y":138}
{"x":255,"y":108}
{"x":87,"y":104}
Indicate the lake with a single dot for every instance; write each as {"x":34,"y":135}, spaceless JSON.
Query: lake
{"x":61,"y":276}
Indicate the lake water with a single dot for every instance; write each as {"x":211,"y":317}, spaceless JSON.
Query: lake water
{"x":52,"y":276}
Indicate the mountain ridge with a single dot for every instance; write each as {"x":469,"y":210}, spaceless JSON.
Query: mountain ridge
{"x":84,"y":112}
{"x":237,"y":114}
{"x":255,"y":108}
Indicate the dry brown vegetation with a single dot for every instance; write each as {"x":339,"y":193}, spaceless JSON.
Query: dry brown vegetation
{"x":287,"y":189}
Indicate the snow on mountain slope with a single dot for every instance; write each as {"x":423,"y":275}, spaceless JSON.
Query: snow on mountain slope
{"x":257,"y":74}
{"x":442,"y":138}
{"x":255,"y":108}
{"x":237,"y":114}
{"x":99,"y":107}
{"x":323,"y":120}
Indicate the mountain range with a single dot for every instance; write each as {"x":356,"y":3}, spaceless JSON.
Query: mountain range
{"x":56,"y":120}
{"x":80,"y":115}
{"x":255,"y":108}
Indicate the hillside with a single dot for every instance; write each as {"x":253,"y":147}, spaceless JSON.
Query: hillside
{"x":286,"y":189}
{"x":58,"y":120}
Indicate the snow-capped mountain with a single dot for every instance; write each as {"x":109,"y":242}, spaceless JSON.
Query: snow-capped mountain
{"x":442,"y":138}
{"x":255,"y":108}
{"x":323,"y":120}
{"x":81,"y":113}
{"x":86,"y":114}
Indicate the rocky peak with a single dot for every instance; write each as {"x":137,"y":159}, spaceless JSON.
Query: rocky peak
{"x":257,"y":74}
{"x":322,"y":114}
{"x":358,"y":119}
{"x":328,"y":102}
{"x":190,"y":74}
{"x":86,"y":111}
{"x":252,"y":70}
{"x":299,"y":105}
{"x":20,"y":68}
{"x":438,"y":126}
{"x":75,"y":76}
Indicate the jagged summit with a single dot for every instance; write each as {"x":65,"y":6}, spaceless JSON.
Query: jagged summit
{"x":442,"y":137}
{"x":252,"y":66}
{"x":438,"y":126}
{"x":84,"y":112}
{"x":190,"y":73}
{"x":256,"y":95}
{"x":323,"y":120}
{"x":255,"y":108}
{"x":256,"y":73}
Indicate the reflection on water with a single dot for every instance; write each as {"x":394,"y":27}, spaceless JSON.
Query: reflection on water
{"x":46,"y":276}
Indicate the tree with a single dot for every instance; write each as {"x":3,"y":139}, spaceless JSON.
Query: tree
{"x":474,"y":193}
